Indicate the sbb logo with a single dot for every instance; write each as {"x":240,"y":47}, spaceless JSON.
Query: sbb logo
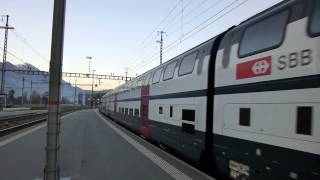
{"x":260,"y":67}
{"x":254,"y":68}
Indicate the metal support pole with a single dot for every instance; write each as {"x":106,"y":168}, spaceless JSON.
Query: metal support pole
{"x":3,"y":70}
{"x":22,"y":91}
{"x":89,"y":65}
{"x":89,"y":58}
{"x":51,"y":170}
{"x":91,"y":98}
{"x":75,"y":92}
{"x":126,"y":72}
{"x":30,"y":93}
{"x":161,"y":44}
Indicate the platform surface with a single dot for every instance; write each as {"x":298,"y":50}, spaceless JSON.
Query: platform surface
{"x":92,"y":148}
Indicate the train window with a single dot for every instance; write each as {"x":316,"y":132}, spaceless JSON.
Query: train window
{"x":244,"y":116}
{"x":156,"y":76}
{"x":136,"y":112}
{"x":201,"y":59}
{"x":146,"y":79}
{"x":132,"y":84}
{"x":171,"y":111}
{"x":119,"y":110}
{"x":140,"y":80}
{"x":315,"y":19}
{"x":264,"y":35}
{"x":188,"y":115}
{"x":227,"y":49}
{"x":304,"y":120}
{"x":160,"y":110}
{"x":187,"y":64}
{"x":169,"y":71}
{"x":126,"y":111}
{"x":131,"y":112}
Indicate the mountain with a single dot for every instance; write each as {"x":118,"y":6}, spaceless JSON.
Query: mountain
{"x":14,"y":81}
{"x":26,"y":66}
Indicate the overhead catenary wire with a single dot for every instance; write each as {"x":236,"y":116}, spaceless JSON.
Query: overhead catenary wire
{"x":179,"y":40}
{"x":161,"y":22}
{"x":14,"y":56}
{"x":147,"y":39}
{"x":202,"y":28}
{"x":10,"y":59}
{"x":192,"y":32}
{"x":206,"y":21}
{"x":197,"y":16}
{"x":25,"y":42}
{"x":187,"y":14}
{"x":151,"y":58}
{"x":157,"y":28}
{"x":178,"y":14}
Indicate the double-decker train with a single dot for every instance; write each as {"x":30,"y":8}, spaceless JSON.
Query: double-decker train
{"x":245,"y":103}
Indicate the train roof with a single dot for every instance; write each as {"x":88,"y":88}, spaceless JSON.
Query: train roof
{"x":123,"y":86}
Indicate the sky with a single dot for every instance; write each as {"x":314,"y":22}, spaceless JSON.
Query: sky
{"x":119,"y":35}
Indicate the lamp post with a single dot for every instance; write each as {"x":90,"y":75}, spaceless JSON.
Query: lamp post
{"x":89,"y":58}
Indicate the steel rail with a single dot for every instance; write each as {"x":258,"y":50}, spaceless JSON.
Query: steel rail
{"x":32,"y":119}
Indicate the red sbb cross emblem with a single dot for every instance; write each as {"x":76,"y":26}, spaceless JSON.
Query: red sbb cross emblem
{"x":254,"y":68}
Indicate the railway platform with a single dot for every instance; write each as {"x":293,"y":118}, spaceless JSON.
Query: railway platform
{"x":91,"y":147}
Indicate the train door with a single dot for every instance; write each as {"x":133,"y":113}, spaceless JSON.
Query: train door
{"x":144,"y":110}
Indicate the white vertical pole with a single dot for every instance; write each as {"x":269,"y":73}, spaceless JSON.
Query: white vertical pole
{"x":51,"y":171}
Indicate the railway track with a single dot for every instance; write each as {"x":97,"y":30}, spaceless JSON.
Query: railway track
{"x":12,"y":124}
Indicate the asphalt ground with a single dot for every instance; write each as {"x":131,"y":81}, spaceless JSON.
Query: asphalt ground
{"x":92,"y":148}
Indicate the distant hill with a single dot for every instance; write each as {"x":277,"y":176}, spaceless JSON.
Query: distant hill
{"x":26,"y":66}
{"x":39,"y":82}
